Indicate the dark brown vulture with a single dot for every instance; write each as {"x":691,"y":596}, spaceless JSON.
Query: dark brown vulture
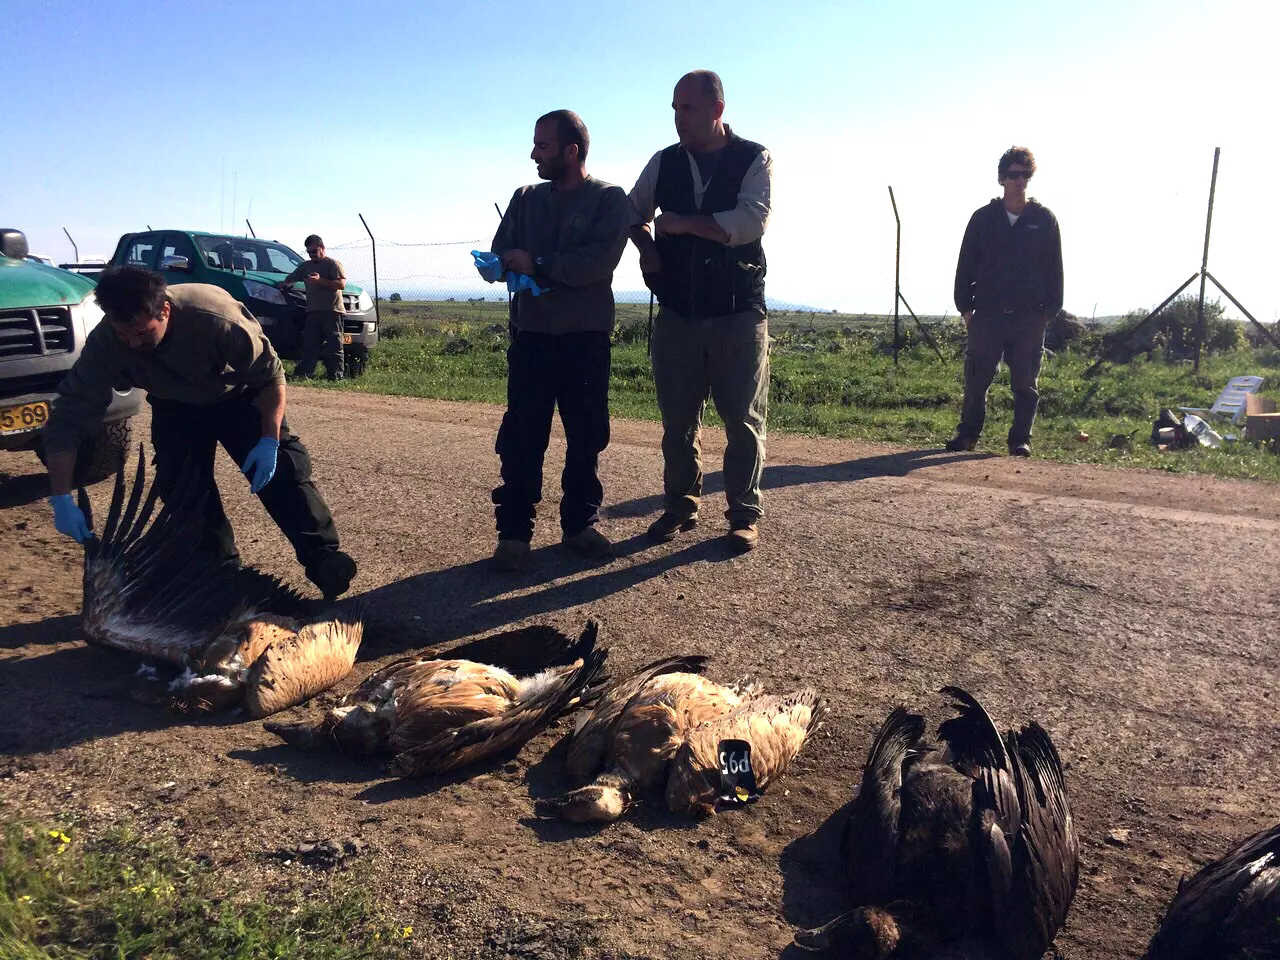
{"x":1230,"y":910}
{"x":436,"y":713}
{"x":966,"y":847}
{"x":665,"y":727}
{"x":236,"y":634}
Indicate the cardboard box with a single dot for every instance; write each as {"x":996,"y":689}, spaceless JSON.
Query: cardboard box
{"x":1261,"y":421}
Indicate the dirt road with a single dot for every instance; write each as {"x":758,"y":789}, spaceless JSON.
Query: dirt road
{"x":1133,"y":614}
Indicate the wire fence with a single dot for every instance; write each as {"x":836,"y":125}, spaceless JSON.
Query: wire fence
{"x":444,"y":273}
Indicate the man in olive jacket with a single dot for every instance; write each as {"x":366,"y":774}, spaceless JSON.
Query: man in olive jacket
{"x":1008,"y":287}
{"x":211,"y":378}
{"x":567,"y":234}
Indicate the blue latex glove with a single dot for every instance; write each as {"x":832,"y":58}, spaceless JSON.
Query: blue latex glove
{"x":489,"y":265}
{"x":69,"y":518}
{"x":522,"y":281}
{"x":262,"y":461}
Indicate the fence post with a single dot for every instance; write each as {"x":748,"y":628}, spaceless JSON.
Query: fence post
{"x":897,"y":288}
{"x":1204,"y":262}
{"x":377,"y":315}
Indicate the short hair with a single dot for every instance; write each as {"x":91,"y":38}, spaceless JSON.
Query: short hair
{"x":1016,"y":155}
{"x":126,"y":293}
{"x":710,"y":81}
{"x":570,"y":131}
{"x":313,"y":239}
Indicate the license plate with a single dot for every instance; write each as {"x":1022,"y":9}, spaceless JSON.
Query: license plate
{"x":346,"y":338}
{"x":23,"y":418}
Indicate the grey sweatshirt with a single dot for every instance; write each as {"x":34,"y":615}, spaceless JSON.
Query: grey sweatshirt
{"x":579,"y":236}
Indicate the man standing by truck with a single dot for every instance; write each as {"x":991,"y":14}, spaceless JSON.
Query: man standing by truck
{"x":324,"y":279}
{"x":163,"y":341}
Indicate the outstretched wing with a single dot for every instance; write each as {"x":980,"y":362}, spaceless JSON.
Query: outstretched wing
{"x":1231,"y":908}
{"x":870,"y":838}
{"x":557,"y":689}
{"x":150,"y":588}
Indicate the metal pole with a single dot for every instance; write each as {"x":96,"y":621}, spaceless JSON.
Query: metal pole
{"x":250,"y":226}
{"x":897,"y":288}
{"x":1204,"y":262}
{"x":74,"y":248}
{"x":923,"y":329}
{"x":1265,"y":332}
{"x":376,"y":315}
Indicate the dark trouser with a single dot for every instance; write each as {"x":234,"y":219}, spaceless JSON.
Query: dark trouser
{"x":186,"y":437}
{"x":544,"y":370}
{"x":321,"y":340}
{"x":726,"y":358}
{"x":1018,"y":338}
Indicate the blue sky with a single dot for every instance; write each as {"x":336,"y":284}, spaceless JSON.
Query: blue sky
{"x":420,"y":117}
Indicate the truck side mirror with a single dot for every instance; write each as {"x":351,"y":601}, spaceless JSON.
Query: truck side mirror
{"x":176,"y":263}
{"x":13,"y":243}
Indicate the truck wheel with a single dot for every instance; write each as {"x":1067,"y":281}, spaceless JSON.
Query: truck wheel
{"x":101,"y":456}
{"x":354,"y":360}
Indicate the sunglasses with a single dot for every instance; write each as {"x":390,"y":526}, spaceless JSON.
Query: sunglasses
{"x":1018,"y":175}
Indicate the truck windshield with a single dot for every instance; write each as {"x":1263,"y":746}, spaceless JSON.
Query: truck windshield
{"x":246,"y":253}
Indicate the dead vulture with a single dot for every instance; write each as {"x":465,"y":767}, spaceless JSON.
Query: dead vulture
{"x":1230,"y":910}
{"x":152,"y":590}
{"x":965,"y":846}
{"x":436,"y":713}
{"x":666,"y":727}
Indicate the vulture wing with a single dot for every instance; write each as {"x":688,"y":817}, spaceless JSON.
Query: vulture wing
{"x":594,"y":734}
{"x":870,"y":840}
{"x":776,"y":729}
{"x":977,"y":749}
{"x":1046,"y":858}
{"x":149,"y":589}
{"x":1230,"y":909}
{"x":542,"y":698}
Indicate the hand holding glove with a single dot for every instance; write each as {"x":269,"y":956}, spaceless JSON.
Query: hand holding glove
{"x":489,"y":265}
{"x":69,"y":518}
{"x":262,"y":461}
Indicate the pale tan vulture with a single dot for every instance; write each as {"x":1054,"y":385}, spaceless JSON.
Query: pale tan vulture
{"x":666,"y":727}
{"x":236,"y":636}
{"x":436,"y":713}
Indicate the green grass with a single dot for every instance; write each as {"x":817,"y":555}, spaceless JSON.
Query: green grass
{"x":128,"y":896}
{"x":834,"y":375}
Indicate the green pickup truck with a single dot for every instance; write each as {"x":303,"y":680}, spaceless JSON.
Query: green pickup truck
{"x":45,"y":316}
{"x":249,"y":269}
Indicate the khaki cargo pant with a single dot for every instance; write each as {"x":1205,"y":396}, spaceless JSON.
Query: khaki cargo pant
{"x":725,"y":358}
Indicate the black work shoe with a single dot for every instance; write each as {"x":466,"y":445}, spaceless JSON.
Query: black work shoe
{"x":665,"y":528}
{"x":961,"y":444}
{"x":1019,"y":449}
{"x":331,"y":571}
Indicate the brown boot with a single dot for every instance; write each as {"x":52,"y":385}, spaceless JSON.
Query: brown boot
{"x":744,"y":537}
{"x":667,"y":526}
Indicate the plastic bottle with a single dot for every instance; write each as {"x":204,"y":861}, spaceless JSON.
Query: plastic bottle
{"x":1207,"y":436}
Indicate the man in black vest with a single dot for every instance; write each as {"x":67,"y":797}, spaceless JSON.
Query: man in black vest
{"x":1008,"y":286}
{"x":711,"y":336}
